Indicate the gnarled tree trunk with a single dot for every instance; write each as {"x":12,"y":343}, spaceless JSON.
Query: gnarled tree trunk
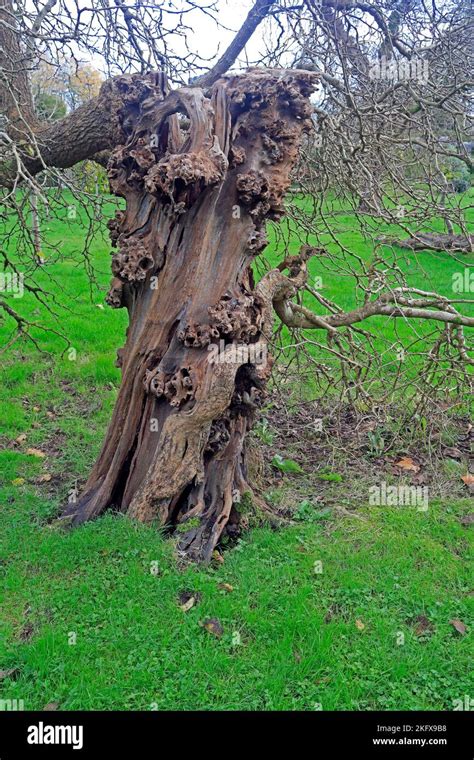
{"x":201,"y":173}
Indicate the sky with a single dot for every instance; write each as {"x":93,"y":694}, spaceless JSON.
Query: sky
{"x":207,"y":38}
{"x":232,"y":13}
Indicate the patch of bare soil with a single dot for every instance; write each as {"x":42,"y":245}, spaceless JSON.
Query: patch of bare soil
{"x":343,"y":451}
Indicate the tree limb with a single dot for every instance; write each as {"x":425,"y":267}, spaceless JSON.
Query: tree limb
{"x":256,"y":15}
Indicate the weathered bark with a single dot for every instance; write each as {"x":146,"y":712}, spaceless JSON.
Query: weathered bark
{"x":196,"y":206}
{"x":92,"y":130}
{"x":100,"y":124}
{"x":16,"y":103}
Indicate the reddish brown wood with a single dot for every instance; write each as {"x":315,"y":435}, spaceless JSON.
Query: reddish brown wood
{"x":201,"y":175}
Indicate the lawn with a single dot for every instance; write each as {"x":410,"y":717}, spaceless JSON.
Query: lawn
{"x":339,"y":610}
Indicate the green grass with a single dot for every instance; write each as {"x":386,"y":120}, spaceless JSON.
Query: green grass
{"x":298,"y":644}
{"x":290,"y":637}
{"x":350,"y":243}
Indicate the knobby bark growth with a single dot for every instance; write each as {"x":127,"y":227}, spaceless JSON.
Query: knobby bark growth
{"x":201,"y":173}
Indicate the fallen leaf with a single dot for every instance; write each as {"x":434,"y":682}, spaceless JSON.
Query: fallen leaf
{"x":51,"y":706}
{"x":325,"y":679}
{"x":35,"y":453}
{"x":331,"y":613}
{"x":99,"y":306}
{"x":452,"y":452}
{"x":468,"y":479}
{"x":226,"y":587}
{"x":467,"y":519}
{"x":8,"y":673}
{"x":360,"y":625}
{"x":21,"y":438}
{"x":407,"y":463}
{"x":458,"y":625}
{"x":419,"y":479}
{"x":187,"y":599}
{"x":44,"y":478}
{"x":27,"y":632}
{"x":36,"y":409}
{"x":18,"y":481}
{"x":422,"y":625}
{"x":187,"y":605}
{"x":212,"y":625}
